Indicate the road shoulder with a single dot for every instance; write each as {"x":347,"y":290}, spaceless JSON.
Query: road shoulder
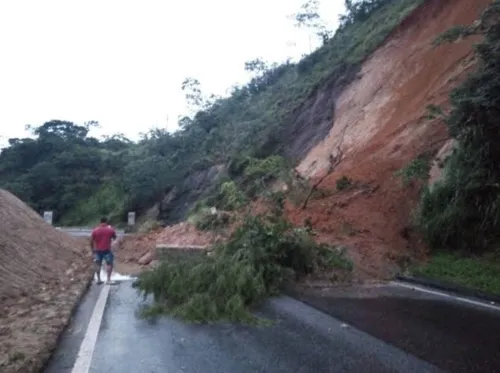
{"x":65,"y":355}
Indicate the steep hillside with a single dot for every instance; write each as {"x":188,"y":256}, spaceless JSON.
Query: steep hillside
{"x":43,"y":272}
{"x":352,"y":120}
{"x":284,"y":110}
{"x":380,"y":126}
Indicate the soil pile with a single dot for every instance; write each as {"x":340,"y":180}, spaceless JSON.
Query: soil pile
{"x":43,"y":273}
{"x":139,"y":248}
{"x":380,"y":125}
{"x":185,"y":234}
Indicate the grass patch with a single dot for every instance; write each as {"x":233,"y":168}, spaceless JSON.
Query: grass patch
{"x":260,"y":257}
{"x":478,"y":272}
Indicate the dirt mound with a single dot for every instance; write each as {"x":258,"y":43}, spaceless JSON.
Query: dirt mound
{"x":184,"y":234}
{"x":134,"y":247}
{"x":43,"y":272}
{"x":379,"y":127}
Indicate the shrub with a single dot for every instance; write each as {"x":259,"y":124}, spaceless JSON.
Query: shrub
{"x":343,"y":183}
{"x":206,"y":220}
{"x":265,"y":169}
{"x":231,"y":197}
{"x":417,"y":169}
{"x":333,"y":258}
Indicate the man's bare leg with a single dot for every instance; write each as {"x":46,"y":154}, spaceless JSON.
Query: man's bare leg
{"x":109,"y":270}
{"x":98,"y":272}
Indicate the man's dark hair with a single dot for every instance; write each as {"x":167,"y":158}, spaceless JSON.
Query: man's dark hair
{"x":104,"y":219}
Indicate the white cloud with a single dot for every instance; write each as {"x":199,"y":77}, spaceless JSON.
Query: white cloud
{"x":122,"y":62}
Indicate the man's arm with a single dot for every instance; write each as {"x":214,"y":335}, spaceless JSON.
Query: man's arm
{"x":91,"y":242}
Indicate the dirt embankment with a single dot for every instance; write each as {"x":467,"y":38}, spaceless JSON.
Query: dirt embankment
{"x":43,"y":273}
{"x":139,"y":248}
{"x":379,"y":127}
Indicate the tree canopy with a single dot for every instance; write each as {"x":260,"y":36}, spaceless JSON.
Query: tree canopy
{"x":62,"y":168}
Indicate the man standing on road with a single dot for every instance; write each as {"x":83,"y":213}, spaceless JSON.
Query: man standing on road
{"x":100,"y":244}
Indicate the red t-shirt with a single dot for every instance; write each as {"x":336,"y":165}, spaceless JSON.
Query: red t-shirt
{"x":102,"y":236}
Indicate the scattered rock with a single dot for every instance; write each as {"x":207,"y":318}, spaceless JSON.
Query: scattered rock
{"x":154,"y":263}
{"x":146,"y":258}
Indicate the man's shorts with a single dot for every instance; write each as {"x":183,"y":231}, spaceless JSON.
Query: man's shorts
{"x":107,"y":256}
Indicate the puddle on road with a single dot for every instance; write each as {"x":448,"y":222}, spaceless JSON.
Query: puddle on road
{"x":115,"y":276}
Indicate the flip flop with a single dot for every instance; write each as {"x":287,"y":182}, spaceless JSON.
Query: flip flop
{"x":100,"y":282}
{"x":111,"y":283}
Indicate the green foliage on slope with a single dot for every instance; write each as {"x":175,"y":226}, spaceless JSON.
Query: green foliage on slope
{"x":417,"y":169}
{"x":65,"y":170}
{"x":463,"y":210}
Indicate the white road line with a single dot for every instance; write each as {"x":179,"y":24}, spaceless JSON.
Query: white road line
{"x":434,"y":292}
{"x":84,"y":357}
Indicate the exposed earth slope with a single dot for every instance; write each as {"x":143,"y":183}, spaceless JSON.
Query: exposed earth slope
{"x":380,"y":125}
{"x":375,"y":126}
{"x":43,"y":272}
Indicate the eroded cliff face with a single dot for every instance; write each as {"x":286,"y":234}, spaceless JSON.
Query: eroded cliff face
{"x":379,"y":126}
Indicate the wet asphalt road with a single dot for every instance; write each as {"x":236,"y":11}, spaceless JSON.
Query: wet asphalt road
{"x":374,"y":329}
{"x":84,"y":231}
{"x":455,"y":336}
{"x":302,"y":340}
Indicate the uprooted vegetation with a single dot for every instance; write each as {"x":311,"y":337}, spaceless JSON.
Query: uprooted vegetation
{"x":261,"y":256}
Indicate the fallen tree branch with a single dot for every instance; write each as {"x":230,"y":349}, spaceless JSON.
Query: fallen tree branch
{"x":334,"y":161}
{"x":437,"y":142}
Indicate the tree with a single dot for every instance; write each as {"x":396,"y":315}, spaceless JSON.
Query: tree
{"x":192,"y":90}
{"x":256,"y":66}
{"x":308,"y":17}
{"x":62,"y":129}
{"x":61,"y":166}
{"x":359,"y":11}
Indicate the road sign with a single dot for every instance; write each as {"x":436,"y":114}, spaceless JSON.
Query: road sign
{"x":47,"y":216}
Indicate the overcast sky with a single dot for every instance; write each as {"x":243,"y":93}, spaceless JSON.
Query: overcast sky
{"x":122,"y":62}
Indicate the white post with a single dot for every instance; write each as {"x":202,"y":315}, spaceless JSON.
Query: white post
{"x":47,"y":216}
{"x":131,"y":218}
